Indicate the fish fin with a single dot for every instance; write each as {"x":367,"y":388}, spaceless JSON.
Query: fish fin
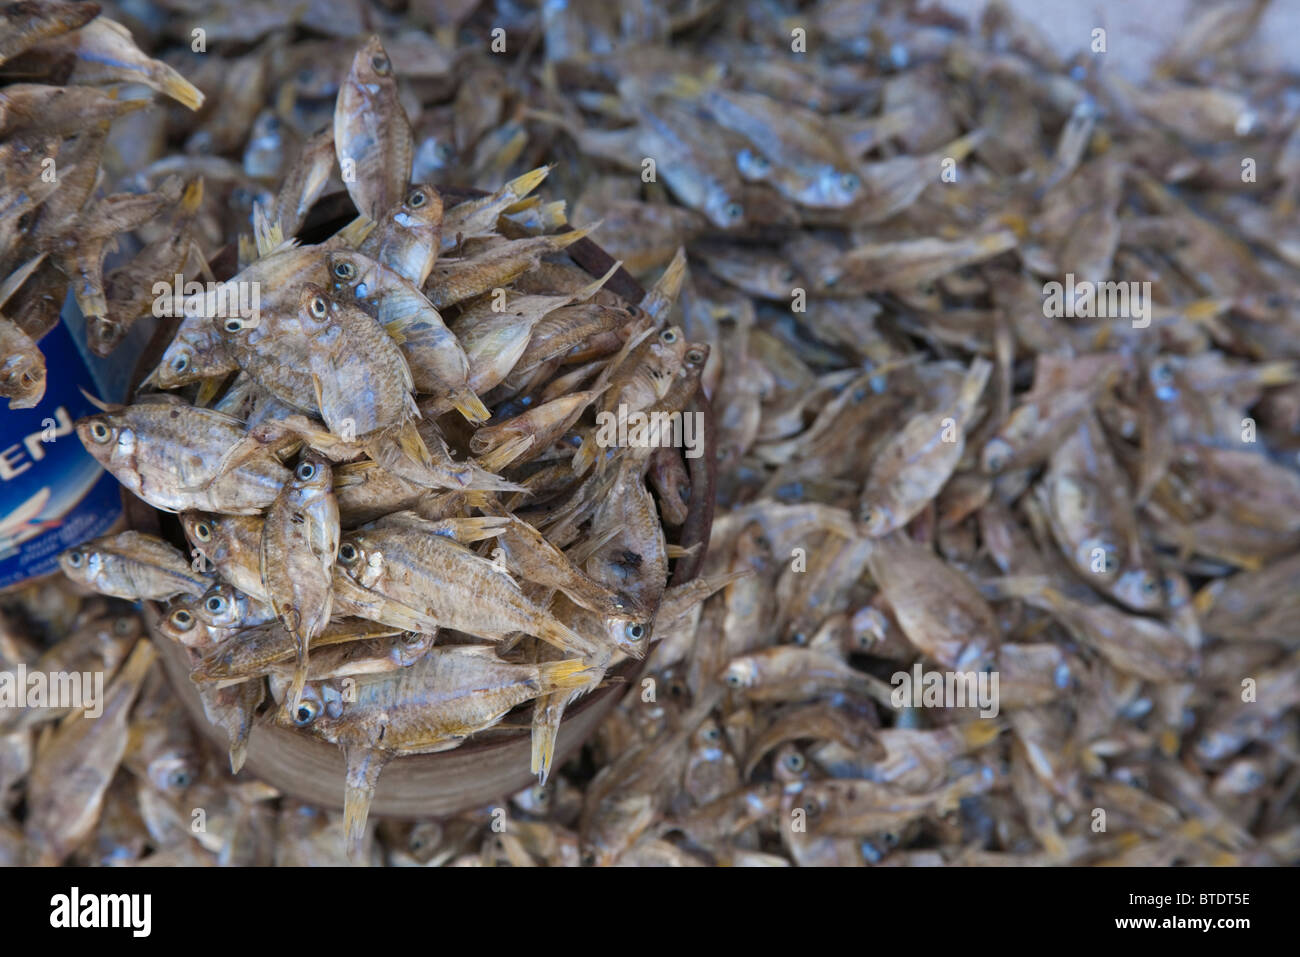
{"x":470,"y":406}
{"x":364,"y":767}
{"x":13,"y":282}
{"x":556,"y":633}
{"x":571,"y":674}
{"x":1017,"y":586}
{"x":676,"y":551}
{"x":100,"y":403}
{"x":589,"y":290}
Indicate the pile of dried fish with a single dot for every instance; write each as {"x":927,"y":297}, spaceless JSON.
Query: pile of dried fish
{"x":61,"y":66}
{"x":1001,"y":349}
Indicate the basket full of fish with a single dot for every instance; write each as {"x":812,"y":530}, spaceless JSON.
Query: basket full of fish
{"x":402,"y":520}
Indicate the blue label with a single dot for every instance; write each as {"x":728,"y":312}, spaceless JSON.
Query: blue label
{"x":53,"y":495}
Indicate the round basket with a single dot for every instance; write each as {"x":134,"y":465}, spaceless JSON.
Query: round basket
{"x":492,"y":764}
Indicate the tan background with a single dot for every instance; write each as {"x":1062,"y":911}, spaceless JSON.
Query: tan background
{"x":1138,"y":30}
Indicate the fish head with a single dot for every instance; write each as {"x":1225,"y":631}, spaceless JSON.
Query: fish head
{"x":877,"y":519}
{"x":1142,"y":589}
{"x":363,"y":565}
{"x":316,"y":309}
{"x":220,"y":607}
{"x":628,"y":636}
{"x":80,"y":563}
{"x":995,"y":456}
{"x":371,"y":66}
{"x":420,"y":210}
{"x":22,"y":378}
{"x":180,"y":623}
{"x":411,"y":647}
{"x":188,"y":357}
{"x":789,"y":764}
{"x":347,"y":272}
{"x":870,"y":627}
{"x":741,"y":673}
{"x":723,"y":209}
{"x":173,"y":772}
{"x":201,"y":530}
{"x":103,"y":333}
{"x":836,"y":188}
{"x":753,"y":166}
{"x":313,"y":477}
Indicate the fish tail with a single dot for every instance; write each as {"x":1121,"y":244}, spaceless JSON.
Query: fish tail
{"x":1019,"y":586}
{"x":586,"y":455}
{"x":355,"y":232}
{"x":564,"y":240}
{"x":505,"y":453}
{"x":976,"y":734}
{"x":545,"y":733}
{"x":972,"y":386}
{"x":192,"y":198}
{"x":364,"y":766}
{"x":521,"y":186}
{"x":470,"y":406}
{"x":238,"y":752}
{"x":571,"y":674}
{"x":176,"y":86}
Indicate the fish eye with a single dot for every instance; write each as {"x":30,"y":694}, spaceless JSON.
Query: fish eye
{"x":793,"y":762}
{"x":379,"y":63}
{"x":668,"y":336}
{"x":412,"y":638}
{"x":305,"y":472}
{"x":181,"y":619}
{"x":799,"y":638}
{"x":1162,"y":372}
{"x":712,"y":734}
{"x":734,"y":679}
{"x":849,"y":182}
{"x":344,"y":270}
{"x":124,"y":626}
{"x":216,"y":604}
{"x":734,"y":211}
{"x":540,"y":794}
{"x":180,"y":779}
{"x":306,"y":713}
{"x":787,"y":275}
{"x":347,"y":553}
{"x":634,"y":631}
{"x":443,"y":151}
{"x":416,"y":199}
{"x":1150,"y":586}
{"x":234,"y":324}
{"x":75,"y":558}
{"x":695,"y":356}
{"x":317,"y":307}
{"x":100,"y":432}
{"x":203,"y":531}
{"x":995,"y":456}
{"x":181,"y":362}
